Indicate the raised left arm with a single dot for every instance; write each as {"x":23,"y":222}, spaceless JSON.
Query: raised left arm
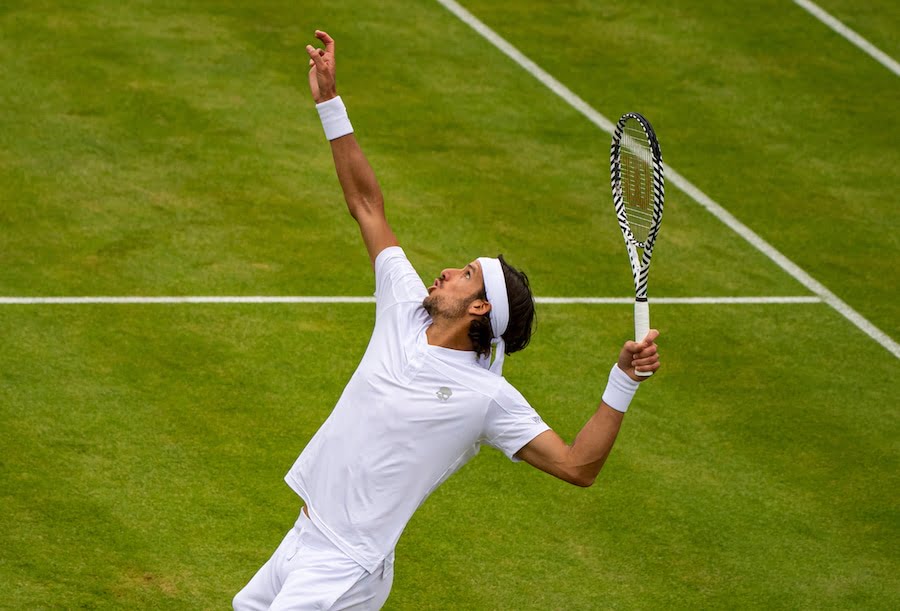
{"x":361,"y":190}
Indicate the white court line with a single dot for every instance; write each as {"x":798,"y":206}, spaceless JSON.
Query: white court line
{"x":679,"y":300}
{"x":874,"y":52}
{"x":180,"y":299}
{"x":679,"y":181}
{"x":339,"y":299}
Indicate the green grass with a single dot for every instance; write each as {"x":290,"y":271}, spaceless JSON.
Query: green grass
{"x":875,"y":21}
{"x":761,"y":107}
{"x":158,"y":148}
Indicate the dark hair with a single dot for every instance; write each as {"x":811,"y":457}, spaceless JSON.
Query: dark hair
{"x":521,"y":314}
{"x":480,"y":331}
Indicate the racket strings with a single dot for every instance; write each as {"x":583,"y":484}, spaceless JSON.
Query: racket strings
{"x":636,"y":167}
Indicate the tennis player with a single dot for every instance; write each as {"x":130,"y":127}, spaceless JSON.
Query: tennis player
{"x":427,"y":394}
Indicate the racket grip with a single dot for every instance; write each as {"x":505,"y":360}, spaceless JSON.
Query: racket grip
{"x":641,"y":326}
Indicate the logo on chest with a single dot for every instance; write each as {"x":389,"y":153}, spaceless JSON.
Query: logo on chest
{"x":444,"y":393}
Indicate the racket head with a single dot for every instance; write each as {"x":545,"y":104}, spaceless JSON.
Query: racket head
{"x":638,"y":182}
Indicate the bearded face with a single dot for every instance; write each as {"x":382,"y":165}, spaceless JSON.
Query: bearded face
{"x":446,"y":306}
{"x":454,"y":291}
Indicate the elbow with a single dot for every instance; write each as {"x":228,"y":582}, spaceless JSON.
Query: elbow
{"x":582,"y":480}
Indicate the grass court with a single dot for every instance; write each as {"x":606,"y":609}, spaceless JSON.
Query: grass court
{"x":161,"y":148}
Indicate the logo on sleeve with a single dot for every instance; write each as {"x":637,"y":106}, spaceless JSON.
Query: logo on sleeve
{"x":444,"y":393}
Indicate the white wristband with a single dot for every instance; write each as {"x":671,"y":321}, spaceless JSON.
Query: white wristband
{"x":334,"y":118}
{"x":620,"y":390}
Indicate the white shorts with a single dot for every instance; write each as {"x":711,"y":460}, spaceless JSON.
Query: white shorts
{"x":308,"y":572}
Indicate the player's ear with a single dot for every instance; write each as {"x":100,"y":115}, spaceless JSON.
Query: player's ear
{"x":479,"y":307}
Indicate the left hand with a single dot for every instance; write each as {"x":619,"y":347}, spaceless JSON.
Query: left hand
{"x":321,"y":69}
{"x":640,"y":356}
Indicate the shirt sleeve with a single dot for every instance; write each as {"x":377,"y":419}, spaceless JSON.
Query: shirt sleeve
{"x":395,"y":280}
{"x":511,"y":422}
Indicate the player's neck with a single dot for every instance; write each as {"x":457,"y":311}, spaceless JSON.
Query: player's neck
{"x":449,"y":334}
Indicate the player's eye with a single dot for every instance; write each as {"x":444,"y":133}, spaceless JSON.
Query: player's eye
{"x":468,"y":275}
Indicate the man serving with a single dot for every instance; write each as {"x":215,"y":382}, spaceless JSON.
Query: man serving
{"x":427,"y":394}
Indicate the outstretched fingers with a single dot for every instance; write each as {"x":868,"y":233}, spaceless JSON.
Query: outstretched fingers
{"x":327,"y":40}
{"x":316,"y":57}
{"x":321,"y":68}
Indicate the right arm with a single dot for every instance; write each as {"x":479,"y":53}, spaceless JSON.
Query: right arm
{"x":361,"y":191}
{"x":581,"y":462}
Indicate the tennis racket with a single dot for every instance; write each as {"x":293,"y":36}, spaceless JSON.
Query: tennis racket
{"x":638,"y":190}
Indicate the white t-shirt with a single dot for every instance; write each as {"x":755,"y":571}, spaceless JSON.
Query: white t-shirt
{"x":411,"y":415}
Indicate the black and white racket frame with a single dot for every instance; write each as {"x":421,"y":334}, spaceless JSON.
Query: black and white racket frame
{"x":640,"y":262}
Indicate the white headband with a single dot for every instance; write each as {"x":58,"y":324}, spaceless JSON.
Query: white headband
{"x":495,"y":289}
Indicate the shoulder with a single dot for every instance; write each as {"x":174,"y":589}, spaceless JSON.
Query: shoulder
{"x":511,"y":422}
{"x":396,"y":281}
{"x":498,"y":393}
{"x":508,"y":404}
{"x":389,"y":261}
{"x":506,"y":394}
{"x":387,"y":255}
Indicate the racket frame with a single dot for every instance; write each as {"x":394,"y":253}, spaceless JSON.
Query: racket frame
{"x":640,"y":261}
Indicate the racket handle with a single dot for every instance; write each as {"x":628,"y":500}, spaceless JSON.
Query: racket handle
{"x":641,"y":326}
